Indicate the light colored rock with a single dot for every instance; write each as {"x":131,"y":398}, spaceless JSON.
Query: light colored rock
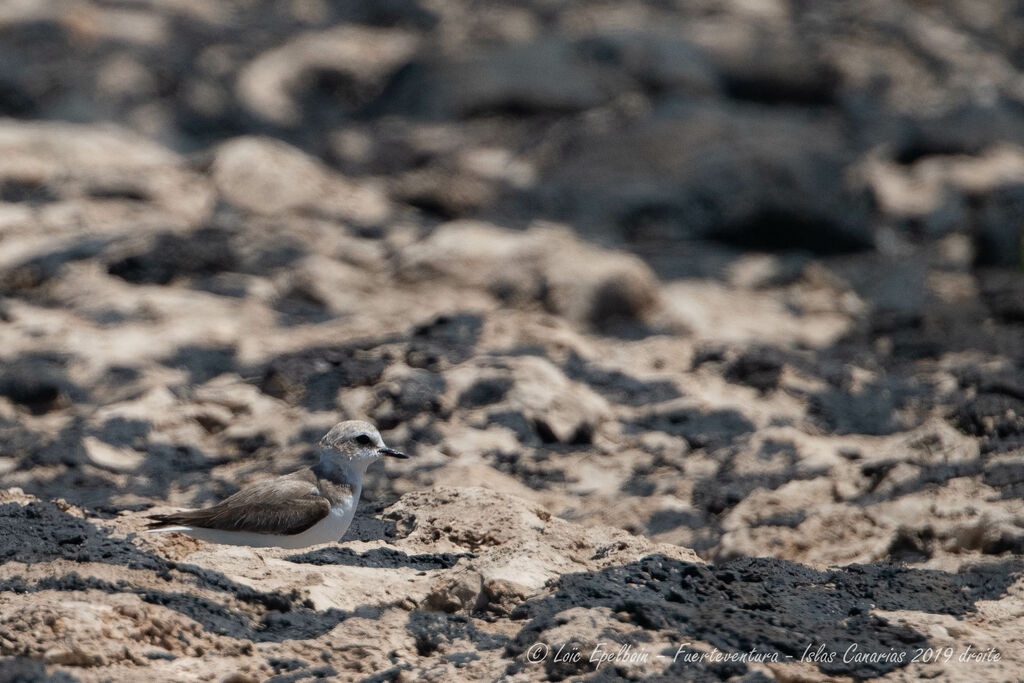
{"x":105,"y":455}
{"x":714,"y":312}
{"x":545,"y":264}
{"x":270,"y":177}
{"x":82,"y":164}
{"x":543,"y":394}
{"x":461,"y":592}
{"x":366,"y":55}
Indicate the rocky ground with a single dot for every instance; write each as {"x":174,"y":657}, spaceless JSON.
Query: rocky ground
{"x":704,"y":321}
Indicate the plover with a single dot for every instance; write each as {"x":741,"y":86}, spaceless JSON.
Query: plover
{"x":311,"y":506}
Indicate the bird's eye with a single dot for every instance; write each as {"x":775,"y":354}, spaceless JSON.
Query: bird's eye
{"x":363,"y":440}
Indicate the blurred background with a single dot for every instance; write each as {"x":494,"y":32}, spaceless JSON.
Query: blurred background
{"x":743,"y":276}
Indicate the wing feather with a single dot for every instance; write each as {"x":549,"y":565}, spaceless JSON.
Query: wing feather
{"x":285,"y":505}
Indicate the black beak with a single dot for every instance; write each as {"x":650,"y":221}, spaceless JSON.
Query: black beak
{"x":392,"y":452}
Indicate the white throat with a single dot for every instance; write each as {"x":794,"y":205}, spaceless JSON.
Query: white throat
{"x":348,"y":471}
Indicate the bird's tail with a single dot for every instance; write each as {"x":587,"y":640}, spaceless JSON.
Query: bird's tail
{"x":171,"y":522}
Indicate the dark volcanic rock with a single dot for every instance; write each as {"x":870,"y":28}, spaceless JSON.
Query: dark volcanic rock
{"x":778,"y":463}
{"x":447,"y":338}
{"x":620,"y":387}
{"x":709,"y":430}
{"x":533,"y":78}
{"x":205,"y":252}
{"x":998,"y":235}
{"x":484,"y":392}
{"x":777,"y":71}
{"x":40,"y":269}
{"x":1002,"y":474}
{"x":872,"y":410}
{"x":433,"y":629}
{"x":404,"y":399}
{"x":56,"y":534}
{"x":28,"y":670}
{"x":313,"y":377}
{"x":379,"y":557}
{"x":65,"y":449}
{"x":203,"y":363}
{"x":758,"y":367}
{"x":769,"y":605}
{"x":750,"y":177}
{"x":993,"y":415}
{"x":37,"y":382}
{"x":300,"y":306}
{"x":1003,"y":292}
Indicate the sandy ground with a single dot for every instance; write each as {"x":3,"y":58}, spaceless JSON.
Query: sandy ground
{"x":705,"y":325}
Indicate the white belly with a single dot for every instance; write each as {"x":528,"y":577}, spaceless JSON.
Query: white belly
{"x":330,"y":529}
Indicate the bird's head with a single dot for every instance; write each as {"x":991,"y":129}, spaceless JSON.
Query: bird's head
{"x":356,"y":443}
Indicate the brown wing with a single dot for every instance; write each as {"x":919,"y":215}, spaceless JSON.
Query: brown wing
{"x":285,"y":505}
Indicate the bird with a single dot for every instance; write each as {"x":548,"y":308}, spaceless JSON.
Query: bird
{"x":308,"y":507}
